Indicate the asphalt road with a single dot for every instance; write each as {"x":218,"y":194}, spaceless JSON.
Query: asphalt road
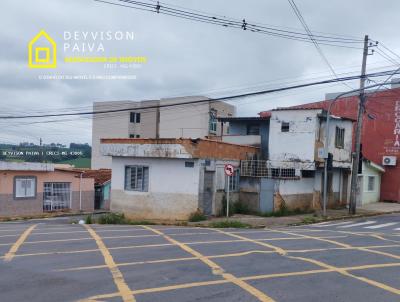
{"x":50,"y":260}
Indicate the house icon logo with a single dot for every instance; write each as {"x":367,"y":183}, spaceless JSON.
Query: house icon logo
{"x":42,"y":51}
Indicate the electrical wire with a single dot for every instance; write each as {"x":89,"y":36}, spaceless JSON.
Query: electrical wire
{"x":310,"y":34}
{"x":229,"y":22}
{"x":231,"y":97}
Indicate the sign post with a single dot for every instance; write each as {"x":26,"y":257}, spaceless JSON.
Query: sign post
{"x":229,"y":171}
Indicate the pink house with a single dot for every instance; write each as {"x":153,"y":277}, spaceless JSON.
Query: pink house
{"x":35,"y":188}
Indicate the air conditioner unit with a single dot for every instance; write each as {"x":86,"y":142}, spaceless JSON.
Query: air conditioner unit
{"x":389,"y":160}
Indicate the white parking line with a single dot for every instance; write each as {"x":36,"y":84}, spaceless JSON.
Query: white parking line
{"x":379,"y":226}
{"x":326,"y":224}
{"x":357,"y":224}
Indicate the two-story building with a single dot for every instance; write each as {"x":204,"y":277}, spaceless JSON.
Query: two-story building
{"x":196,"y":117}
{"x":291,"y":167}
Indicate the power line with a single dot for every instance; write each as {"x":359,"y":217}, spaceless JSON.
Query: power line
{"x":229,"y":22}
{"x":310,"y":34}
{"x":231,"y":97}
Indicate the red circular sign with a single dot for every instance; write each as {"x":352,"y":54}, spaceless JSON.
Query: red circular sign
{"x":229,"y":170}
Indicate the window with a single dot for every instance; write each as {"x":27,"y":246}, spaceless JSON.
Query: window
{"x":234,"y":181}
{"x":137,"y":178}
{"x":25,"y":187}
{"x":135,"y":117}
{"x":134,"y":136}
{"x":339,"y":138}
{"x":56,"y":196}
{"x":285,"y":127}
{"x":283,"y":173}
{"x":189,"y":164}
{"x":213,"y":121}
{"x":253,"y":129}
{"x":371,"y":183}
{"x":137,"y":136}
{"x":307,"y":173}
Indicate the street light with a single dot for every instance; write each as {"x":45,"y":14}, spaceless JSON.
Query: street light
{"x":328,"y":117}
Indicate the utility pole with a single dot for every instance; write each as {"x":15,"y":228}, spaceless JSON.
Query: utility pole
{"x":360,"y":115}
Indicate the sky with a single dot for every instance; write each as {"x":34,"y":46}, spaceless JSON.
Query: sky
{"x":183,"y":57}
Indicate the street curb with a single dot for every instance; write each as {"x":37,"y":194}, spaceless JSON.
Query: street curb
{"x":45,"y":216}
{"x":345,"y":217}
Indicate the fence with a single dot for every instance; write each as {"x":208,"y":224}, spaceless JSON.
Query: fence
{"x":263,"y":168}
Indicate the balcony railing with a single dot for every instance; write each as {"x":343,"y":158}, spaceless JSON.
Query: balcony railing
{"x":264,"y":168}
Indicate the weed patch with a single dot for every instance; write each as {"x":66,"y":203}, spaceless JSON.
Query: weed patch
{"x":229,"y":224}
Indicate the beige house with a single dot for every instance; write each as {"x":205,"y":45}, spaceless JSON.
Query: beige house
{"x":194,"y":120}
{"x":34,"y":188}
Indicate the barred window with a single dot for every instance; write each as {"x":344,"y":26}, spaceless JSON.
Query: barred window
{"x":285,"y":127}
{"x":137,"y":178}
{"x":339,"y":138}
{"x":283,"y":173}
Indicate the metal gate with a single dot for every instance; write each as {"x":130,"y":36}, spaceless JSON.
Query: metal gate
{"x":56,"y":196}
{"x":208,"y":193}
{"x":267,"y":188}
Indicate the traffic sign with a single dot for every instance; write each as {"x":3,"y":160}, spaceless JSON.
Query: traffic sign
{"x":229,"y":170}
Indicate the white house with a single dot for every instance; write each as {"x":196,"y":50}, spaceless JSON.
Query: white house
{"x":171,"y":178}
{"x":369,"y":182}
{"x":293,"y":170}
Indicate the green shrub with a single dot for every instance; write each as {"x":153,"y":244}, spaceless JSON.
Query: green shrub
{"x":89,"y":219}
{"x":197,"y":216}
{"x":309,"y":220}
{"x":112,"y":218}
{"x":140,"y":222}
{"x":229,"y":224}
{"x":241,"y":208}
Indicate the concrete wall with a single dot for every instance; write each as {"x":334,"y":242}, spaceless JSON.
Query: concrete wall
{"x":179,"y":121}
{"x":339,"y":154}
{"x":117,"y":125}
{"x":286,"y":146}
{"x":32,"y":206}
{"x":370,"y":196}
{"x":173,"y":189}
{"x":190,"y":120}
{"x":249,"y":192}
{"x":252,"y":140}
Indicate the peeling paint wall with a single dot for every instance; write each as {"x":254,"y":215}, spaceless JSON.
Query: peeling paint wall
{"x":299,"y":142}
{"x":146,"y":150}
{"x":339,"y":154}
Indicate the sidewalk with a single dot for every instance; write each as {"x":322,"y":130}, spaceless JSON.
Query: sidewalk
{"x":372,"y":209}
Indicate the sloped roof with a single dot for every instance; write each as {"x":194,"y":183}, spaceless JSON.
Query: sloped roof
{"x":100,"y":176}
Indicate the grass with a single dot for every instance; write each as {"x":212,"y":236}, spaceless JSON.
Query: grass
{"x":229,"y":224}
{"x":284,"y":211}
{"x":82,"y":162}
{"x":197,"y":216}
{"x":310,"y":219}
{"x":115,"y":218}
